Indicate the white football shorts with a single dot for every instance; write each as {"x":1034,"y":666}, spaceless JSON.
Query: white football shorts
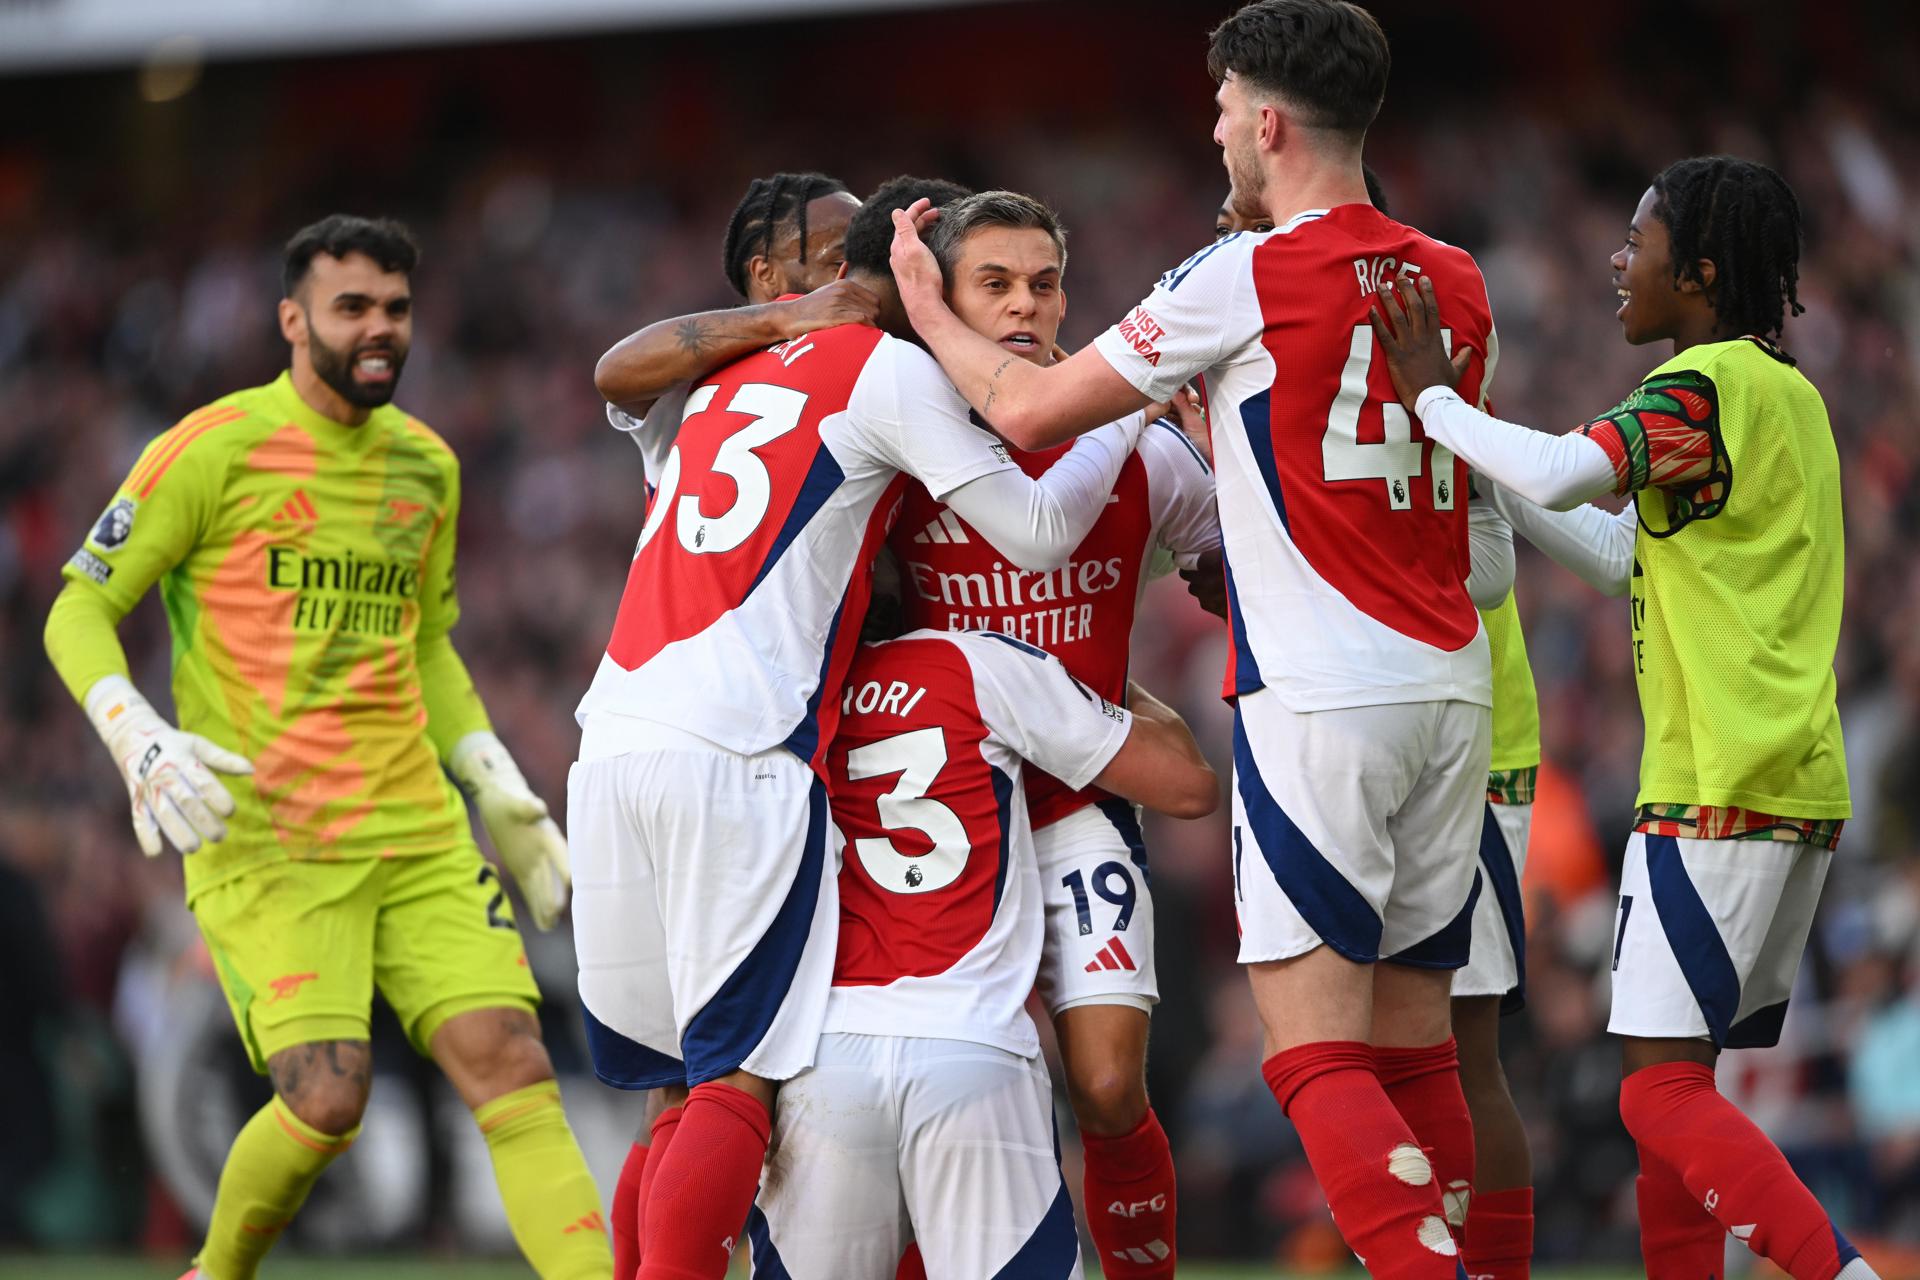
{"x":1497,"y":965}
{"x":1708,"y":937}
{"x":1359,"y":828}
{"x":892,"y":1139}
{"x":1093,"y":879}
{"x":705,"y":910}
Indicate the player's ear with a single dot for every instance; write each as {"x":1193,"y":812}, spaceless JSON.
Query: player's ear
{"x":1273,"y":128}
{"x":293,"y":322}
{"x":1707,"y":272}
{"x":761,"y":270}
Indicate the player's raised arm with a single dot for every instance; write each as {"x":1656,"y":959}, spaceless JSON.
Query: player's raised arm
{"x":644,"y":365}
{"x":154,"y":520}
{"x":1032,"y":407}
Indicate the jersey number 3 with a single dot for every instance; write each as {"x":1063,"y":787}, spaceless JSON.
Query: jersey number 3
{"x":1396,"y":458}
{"x":774,"y":411}
{"x":918,"y":758}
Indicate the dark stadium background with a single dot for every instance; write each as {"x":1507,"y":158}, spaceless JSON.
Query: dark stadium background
{"x":567,"y":191}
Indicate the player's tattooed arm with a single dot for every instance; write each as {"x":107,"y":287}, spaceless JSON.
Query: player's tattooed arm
{"x":643,"y":366}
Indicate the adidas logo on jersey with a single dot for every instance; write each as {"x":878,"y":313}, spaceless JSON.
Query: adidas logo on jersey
{"x":1112,"y":956}
{"x":299,"y":509}
{"x":944,"y":528}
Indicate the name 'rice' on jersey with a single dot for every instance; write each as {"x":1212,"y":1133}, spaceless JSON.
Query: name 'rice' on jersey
{"x":743,"y":604}
{"x":1344,"y":527}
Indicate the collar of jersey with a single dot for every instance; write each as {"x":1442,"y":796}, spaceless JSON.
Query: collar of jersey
{"x":305,"y":415}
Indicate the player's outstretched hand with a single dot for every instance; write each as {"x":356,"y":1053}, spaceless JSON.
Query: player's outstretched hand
{"x":915,"y":271}
{"x":1406,"y":320}
{"x":529,"y":842}
{"x":169,"y":772}
{"x":1207,"y":582}
{"x":833,"y":303}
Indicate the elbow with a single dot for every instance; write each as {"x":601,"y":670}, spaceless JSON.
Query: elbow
{"x":606,"y":377}
{"x":1490,"y":591}
{"x":620,"y":385}
{"x":1196,"y":796}
{"x":1020,"y":427}
{"x":1039,"y":557}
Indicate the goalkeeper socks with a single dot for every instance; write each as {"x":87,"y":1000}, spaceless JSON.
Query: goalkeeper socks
{"x":1377,"y":1180}
{"x":704,"y":1185}
{"x":1730,"y":1168}
{"x":1424,"y":1087}
{"x":552,"y":1204}
{"x":1131,"y":1201}
{"x":1500,"y":1234}
{"x":272,"y":1165}
{"x":625,"y":1213}
{"x":1679,"y":1240}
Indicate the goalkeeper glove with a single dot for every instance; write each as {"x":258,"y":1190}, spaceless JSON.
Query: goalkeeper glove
{"x":529,"y":842}
{"x":169,"y":782}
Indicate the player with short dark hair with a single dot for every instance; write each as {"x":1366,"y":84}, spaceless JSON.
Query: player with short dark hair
{"x":1361,"y":741}
{"x":303,"y":536}
{"x":1003,"y":255}
{"x":1733,"y":550}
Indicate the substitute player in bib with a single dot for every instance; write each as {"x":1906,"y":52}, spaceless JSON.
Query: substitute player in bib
{"x":302,"y":534}
{"x":928,"y":1115}
{"x":705,"y":916}
{"x":1358,"y":663}
{"x":1003,"y":256}
{"x":1735,"y":565}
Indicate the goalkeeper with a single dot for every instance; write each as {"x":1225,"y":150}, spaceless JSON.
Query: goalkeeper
{"x":302,"y":534}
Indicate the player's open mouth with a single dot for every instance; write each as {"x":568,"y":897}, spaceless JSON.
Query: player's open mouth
{"x":1020,"y":340}
{"x":374,"y":366}
{"x":1626,"y":296}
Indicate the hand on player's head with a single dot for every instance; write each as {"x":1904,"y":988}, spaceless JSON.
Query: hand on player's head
{"x":1406,"y":321}
{"x":836,"y":302}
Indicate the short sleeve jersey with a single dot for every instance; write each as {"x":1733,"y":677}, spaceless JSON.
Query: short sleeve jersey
{"x":300,"y":560}
{"x":940,"y":907}
{"x":744,"y":601}
{"x":1083,"y":612}
{"x":1344,"y":527}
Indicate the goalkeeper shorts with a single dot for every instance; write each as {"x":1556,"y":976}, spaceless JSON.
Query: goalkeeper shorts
{"x":300,"y":946}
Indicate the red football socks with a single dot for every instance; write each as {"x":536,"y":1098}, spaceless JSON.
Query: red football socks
{"x":1424,"y":1086}
{"x":704,"y":1184}
{"x":1727,"y":1166}
{"x":912,"y":1265}
{"x":1679,"y":1240}
{"x":626,"y":1213}
{"x":1377,"y":1180}
{"x":1499,"y":1242}
{"x":1131,"y":1202}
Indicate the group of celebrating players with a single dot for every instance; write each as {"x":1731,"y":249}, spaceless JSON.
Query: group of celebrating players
{"x":860,"y":766}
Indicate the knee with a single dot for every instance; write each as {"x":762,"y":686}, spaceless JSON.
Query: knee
{"x":492,"y":1052}
{"x":325,"y":1084}
{"x":1109,"y":1097}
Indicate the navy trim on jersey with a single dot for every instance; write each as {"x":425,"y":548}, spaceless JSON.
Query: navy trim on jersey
{"x":766,"y":1259}
{"x":805,"y":738}
{"x":1447,"y":946}
{"x":1181,"y":436}
{"x":1496,"y":863}
{"x":1003,"y":803}
{"x":628,"y":1064}
{"x":1021,"y":645}
{"x":823,"y":477}
{"x":731,"y":1025}
{"x":1126,"y":821}
{"x":1332,"y":908}
{"x":1172,"y":279}
{"x":1693,"y":937}
{"x":1246,"y":668}
{"x":1052,"y":1251}
{"x":1256,"y":419}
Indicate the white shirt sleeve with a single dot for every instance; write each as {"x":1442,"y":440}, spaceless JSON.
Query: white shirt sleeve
{"x":1185,"y":325}
{"x":1594,"y":545}
{"x":905,"y":413}
{"x":1179,"y":497}
{"x":1557,"y":471}
{"x":1043,"y":714}
{"x":1490,"y":545}
{"x":653,"y":434}
{"x":1037,"y":523}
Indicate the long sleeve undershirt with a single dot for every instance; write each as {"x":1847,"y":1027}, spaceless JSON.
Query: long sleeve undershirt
{"x":1554,"y":471}
{"x":1037,"y":523}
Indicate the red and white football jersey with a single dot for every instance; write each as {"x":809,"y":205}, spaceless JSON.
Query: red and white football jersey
{"x":940,"y":908}
{"x":1344,"y":527}
{"x":744,"y":602}
{"x":953,"y":580}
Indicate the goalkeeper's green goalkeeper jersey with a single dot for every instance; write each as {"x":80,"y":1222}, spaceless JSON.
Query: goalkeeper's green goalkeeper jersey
{"x":307,"y":571}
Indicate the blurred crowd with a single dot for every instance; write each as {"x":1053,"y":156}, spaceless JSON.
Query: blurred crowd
{"x":565,"y":194}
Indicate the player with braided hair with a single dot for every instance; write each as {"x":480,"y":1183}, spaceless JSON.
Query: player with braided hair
{"x":1732,"y":548}
{"x":770,"y":248}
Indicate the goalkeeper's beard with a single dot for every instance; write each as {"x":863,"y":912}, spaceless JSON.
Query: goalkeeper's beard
{"x":335,"y":368}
